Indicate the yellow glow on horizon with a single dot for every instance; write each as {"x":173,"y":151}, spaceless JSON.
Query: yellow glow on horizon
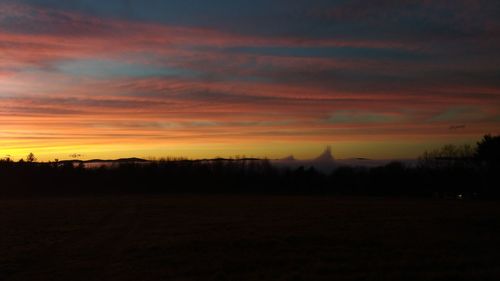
{"x":273,"y":150}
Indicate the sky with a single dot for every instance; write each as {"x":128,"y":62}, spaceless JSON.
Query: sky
{"x":199,"y":79}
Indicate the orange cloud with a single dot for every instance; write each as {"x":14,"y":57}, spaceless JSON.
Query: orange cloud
{"x":222,"y":96}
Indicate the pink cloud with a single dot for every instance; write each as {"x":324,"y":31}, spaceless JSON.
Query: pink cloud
{"x":50,"y":107}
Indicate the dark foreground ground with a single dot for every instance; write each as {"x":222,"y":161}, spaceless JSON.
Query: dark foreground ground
{"x":248,"y":238}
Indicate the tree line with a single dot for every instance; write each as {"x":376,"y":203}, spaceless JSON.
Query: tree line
{"x":448,"y":172}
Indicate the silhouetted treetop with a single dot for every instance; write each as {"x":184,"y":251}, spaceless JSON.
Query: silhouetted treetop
{"x":488,"y":150}
{"x":31,"y":158}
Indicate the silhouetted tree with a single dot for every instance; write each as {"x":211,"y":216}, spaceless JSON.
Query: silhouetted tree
{"x":447,"y":156}
{"x":6,"y":159}
{"x":31,"y":158}
{"x":488,"y":150}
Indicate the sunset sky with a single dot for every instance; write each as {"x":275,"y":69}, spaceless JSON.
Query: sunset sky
{"x":263,"y":78}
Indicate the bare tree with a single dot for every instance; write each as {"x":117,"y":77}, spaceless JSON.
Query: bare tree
{"x":31,"y":158}
{"x":447,"y":156}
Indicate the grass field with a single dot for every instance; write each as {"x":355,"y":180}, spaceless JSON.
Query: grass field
{"x":218,"y":237}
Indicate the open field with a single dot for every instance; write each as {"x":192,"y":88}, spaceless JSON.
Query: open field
{"x":219,"y":237}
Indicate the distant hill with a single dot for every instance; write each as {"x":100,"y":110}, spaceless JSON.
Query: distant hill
{"x":325,"y":162}
{"x":94,"y":163}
